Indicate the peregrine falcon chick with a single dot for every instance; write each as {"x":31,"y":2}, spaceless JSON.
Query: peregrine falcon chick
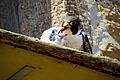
{"x":51,"y":36}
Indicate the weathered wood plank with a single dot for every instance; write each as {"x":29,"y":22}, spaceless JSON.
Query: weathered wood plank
{"x":93,"y":61}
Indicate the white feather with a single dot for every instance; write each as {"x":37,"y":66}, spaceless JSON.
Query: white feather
{"x":47,"y":33}
{"x":73,"y":41}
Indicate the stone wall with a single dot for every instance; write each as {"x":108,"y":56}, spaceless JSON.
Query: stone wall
{"x":34,"y":16}
{"x":58,"y":11}
{"x":29,"y":17}
{"x":109,"y":27}
{"x":8,"y":15}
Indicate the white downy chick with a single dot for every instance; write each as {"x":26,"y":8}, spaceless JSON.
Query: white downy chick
{"x":51,"y":35}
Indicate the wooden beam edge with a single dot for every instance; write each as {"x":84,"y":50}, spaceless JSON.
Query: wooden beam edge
{"x":102,"y":63}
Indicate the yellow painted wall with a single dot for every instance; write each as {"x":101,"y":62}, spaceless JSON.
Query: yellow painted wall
{"x":12,"y":59}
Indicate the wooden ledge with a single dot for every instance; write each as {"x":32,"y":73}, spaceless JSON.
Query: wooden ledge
{"x":101,"y":63}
